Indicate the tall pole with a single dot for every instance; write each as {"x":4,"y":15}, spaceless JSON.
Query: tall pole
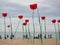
{"x":58,"y":28}
{"x":23,"y":31}
{"x":33,"y":26}
{"x":29,"y":36}
{"x":16,"y":28}
{"x":55,"y":33}
{"x":11,"y":37}
{"x":45,"y":27}
{"x":4,"y":29}
{"x":40,"y":25}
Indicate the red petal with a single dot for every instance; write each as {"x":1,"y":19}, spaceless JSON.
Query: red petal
{"x":20,"y":16}
{"x":58,"y":21}
{"x":33,"y":6}
{"x":54,"y":21}
{"x":43,"y":17}
{"x":24,"y":23}
{"x":4,"y":14}
{"x":27,"y":20}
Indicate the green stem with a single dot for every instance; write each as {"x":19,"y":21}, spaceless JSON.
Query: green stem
{"x":4,"y":28}
{"x":45,"y":26}
{"x":11,"y":26}
{"x":30,"y":37}
{"x":23,"y":31}
{"x":28,"y":32}
{"x":33,"y":26}
{"x":9,"y":33}
{"x":16,"y":28}
{"x":40,"y":37}
{"x":59,"y":30}
{"x":55,"y":33}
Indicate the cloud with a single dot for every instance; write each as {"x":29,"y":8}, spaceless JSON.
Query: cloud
{"x":17,"y":7}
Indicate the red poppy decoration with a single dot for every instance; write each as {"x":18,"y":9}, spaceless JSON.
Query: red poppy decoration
{"x":20,"y":16}
{"x":26,"y":20}
{"x":54,"y":21}
{"x":33,"y":6}
{"x":8,"y":26}
{"x":58,"y":21}
{"x":4,"y":14}
{"x":24,"y":23}
{"x":43,"y":17}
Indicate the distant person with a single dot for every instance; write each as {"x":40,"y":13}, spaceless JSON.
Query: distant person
{"x":40,"y":36}
{"x":26,"y":36}
{"x":50,"y":35}
{"x":0,"y":37}
{"x":7,"y":36}
{"x":37,"y":37}
{"x":45,"y":36}
{"x":23,"y":36}
{"x":12,"y":36}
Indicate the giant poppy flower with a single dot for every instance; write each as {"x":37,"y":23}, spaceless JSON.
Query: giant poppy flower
{"x":27,"y":20}
{"x":20,"y":16}
{"x":43,"y":17}
{"x":4,"y":14}
{"x":8,"y":26}
{"x":58,"y":21}
{"x":33,"y":6}
{"x":24,"y":23}
{"x":54,"y":21}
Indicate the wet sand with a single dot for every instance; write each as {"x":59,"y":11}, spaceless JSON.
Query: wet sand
{"x":26,"y":42}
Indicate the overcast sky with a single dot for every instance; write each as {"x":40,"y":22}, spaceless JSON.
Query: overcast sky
{"x":49,"y":8}
{"x":17,"y":7}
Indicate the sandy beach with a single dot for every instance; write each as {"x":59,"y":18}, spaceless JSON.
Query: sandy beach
{"x":26,"y":42}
